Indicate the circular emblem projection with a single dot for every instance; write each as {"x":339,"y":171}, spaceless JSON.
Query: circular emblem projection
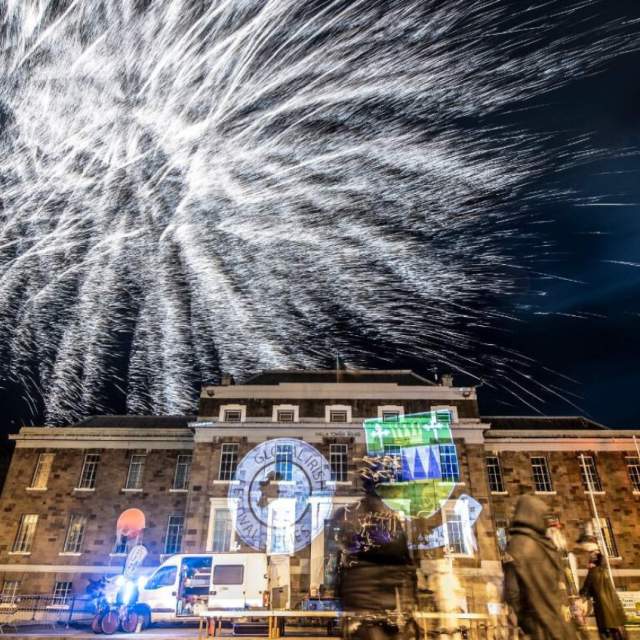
{"x":282,"y":495}
{"x":423,"y":445}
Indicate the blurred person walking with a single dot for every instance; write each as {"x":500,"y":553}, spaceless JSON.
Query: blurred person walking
{"x":535,"y":579}
{"x":610,"y":616}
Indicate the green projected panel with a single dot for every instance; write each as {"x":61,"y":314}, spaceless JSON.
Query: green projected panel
{"x":423,"y":445}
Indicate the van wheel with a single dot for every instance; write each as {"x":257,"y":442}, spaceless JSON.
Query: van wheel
{"x":146,"y":618}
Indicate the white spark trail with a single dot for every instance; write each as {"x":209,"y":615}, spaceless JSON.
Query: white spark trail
{"x":188,"y":187}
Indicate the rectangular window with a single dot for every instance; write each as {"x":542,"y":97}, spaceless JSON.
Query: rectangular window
{"x":228,"y":574}
{"x":455,"y":534}
{"x":136,"y":471}
{"x":284,"y":462}
{"x":338,"y":459}
{"x":182,"y":473}
{"x":75,"y":533}
{"x":62,"y":592}
{"x":394,"y":451}
{"x":390,"y":416}
{"x":26,"y":533}
{"x":449,"y":463}
{"x":541,"y":476}
{"x":173,"y":541}
{"x":232,"y":415}
{"x":89,"y":469}
{"x":228,"y":461}
{"x":285,"y":415}
{"x":607,"y":534}
{"x":589,"y":473}
{"x":9,"y":591}
{"x":494,"y":474}
{"x":222,"y":530}
{"x":42,"y":471}
{"x":502,"y":526}
{"x":633,"y":468}
{"x":337,"y":416}
{"x":122,"y":544}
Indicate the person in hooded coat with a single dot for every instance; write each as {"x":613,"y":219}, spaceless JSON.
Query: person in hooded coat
{"x":535,"y":579}
{"x":607,"y":607}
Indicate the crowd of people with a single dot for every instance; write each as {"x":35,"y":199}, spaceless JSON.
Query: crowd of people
{"x":542,"y":594}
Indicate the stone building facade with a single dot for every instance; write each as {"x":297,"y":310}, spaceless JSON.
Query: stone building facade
{"x":67,"y":486}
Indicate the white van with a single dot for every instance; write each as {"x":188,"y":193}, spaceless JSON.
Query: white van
{"x":185,"y":582}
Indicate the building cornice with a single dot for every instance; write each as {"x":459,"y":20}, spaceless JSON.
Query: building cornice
{"x":86,"y":438}
{"x":339,"y":390}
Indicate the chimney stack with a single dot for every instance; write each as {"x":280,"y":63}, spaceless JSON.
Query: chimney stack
{"x":447,"y":380}
{"x":227,"y":380}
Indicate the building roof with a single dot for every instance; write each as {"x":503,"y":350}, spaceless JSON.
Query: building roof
{"x":562,"y":423}
{"x":136,"y":422}
{"x":402,"y":377}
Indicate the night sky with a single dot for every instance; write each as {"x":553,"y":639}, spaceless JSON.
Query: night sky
{"x":581,"y":319}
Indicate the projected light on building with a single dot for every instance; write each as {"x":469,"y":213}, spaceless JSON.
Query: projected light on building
{"x":283,"y":496}
{"x":427,"y":462}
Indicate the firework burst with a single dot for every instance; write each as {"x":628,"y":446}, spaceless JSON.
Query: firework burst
{"x":189,"y":187}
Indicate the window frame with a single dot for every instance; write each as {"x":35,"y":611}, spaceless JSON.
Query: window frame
{"x":228,"y":539}
{"x":588,"y":464}
{"x":331,"y":409}
{"x":548,"y":480}
{"x":278,"y":408}
{"x":39,"y":466}
{"x":613,"y":551}
{"x":284,"y":458}
{"x":134,"y":460}
{"x":23,"y":541}
{"x":174,"y":533}
{"x":67,"y":547}
{"x":633,"y":472}
{"x":390,"y":408}
{"x":187,"y":474}
{"x":224,"y":462}
{"x":87,"y":480}
{"x":339,"y":454}
{"x":451,"y":461}
{"x":6,"y":597}
{"x":495,"y":477}
{"x":60,"y":596}
{"x":223,"y":415}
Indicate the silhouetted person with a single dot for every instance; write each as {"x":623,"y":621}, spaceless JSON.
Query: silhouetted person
{"x":534,"y":574}
{"x":610,"y":616}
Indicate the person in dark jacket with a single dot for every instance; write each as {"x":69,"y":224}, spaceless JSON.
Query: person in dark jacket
{"x":607,"y":607}
{"x":376,"y":573}
{"x":535,"y":579}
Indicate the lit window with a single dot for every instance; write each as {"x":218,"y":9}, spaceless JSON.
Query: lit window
{"x":42,"y":471}
{"x":455,"y":533}
{"x":494,"y":474}
{"x":633,"y":468}
{"x":62,"y":592}
{"x":75,"y":533}
{"x":222,"y":530}
{"x":390,"y":416}
{"x":541,"y":476}
{"x":232,"y":415}
{"x":501,"y":533}
{"x":337,"y":416}
{"x":89,"y":470}
{"x":589,"y":473}
{"x":281,"y":529}
{"x":183,"y":470}
{"x":449,"y":463}
{"x":228,"y":461}
{"x":338,"y":459}
{"x":9,"y":591}
{"x":136,"y":472}
{"x":459,"y":537}
{"x":26,"y":533}
{"x":284,"y":462}
{"x":173,"y":540}
{"x":607,"y":534}
{"x":285,"y":415}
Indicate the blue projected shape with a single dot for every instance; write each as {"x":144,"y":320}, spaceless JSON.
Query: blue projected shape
{"x":283,"y":495}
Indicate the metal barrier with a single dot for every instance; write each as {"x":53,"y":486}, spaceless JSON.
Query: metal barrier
{"x":23,"y":610}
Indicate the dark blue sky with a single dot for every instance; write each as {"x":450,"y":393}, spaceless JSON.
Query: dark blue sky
{"x":583,"y":322}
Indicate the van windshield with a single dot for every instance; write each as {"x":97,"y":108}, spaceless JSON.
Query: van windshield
{"x":228,"y":574}
{"x":163,"y":577}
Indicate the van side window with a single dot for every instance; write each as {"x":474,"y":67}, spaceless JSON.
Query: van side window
{"x":228,"y":574}
{"x":163,"y":577}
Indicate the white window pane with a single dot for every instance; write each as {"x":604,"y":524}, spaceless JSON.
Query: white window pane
{"x":182,"y":473}
{"x":75,"y":533}
{"x":173,"y":540}
{"x":89,"y":470}
{"x":228,"y":461}
{"x":222,"y":530}
{"x":541,"y":476}
{"x":26,"y":533}
{"x":42,"y":471}
{"x":136,"y":472}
